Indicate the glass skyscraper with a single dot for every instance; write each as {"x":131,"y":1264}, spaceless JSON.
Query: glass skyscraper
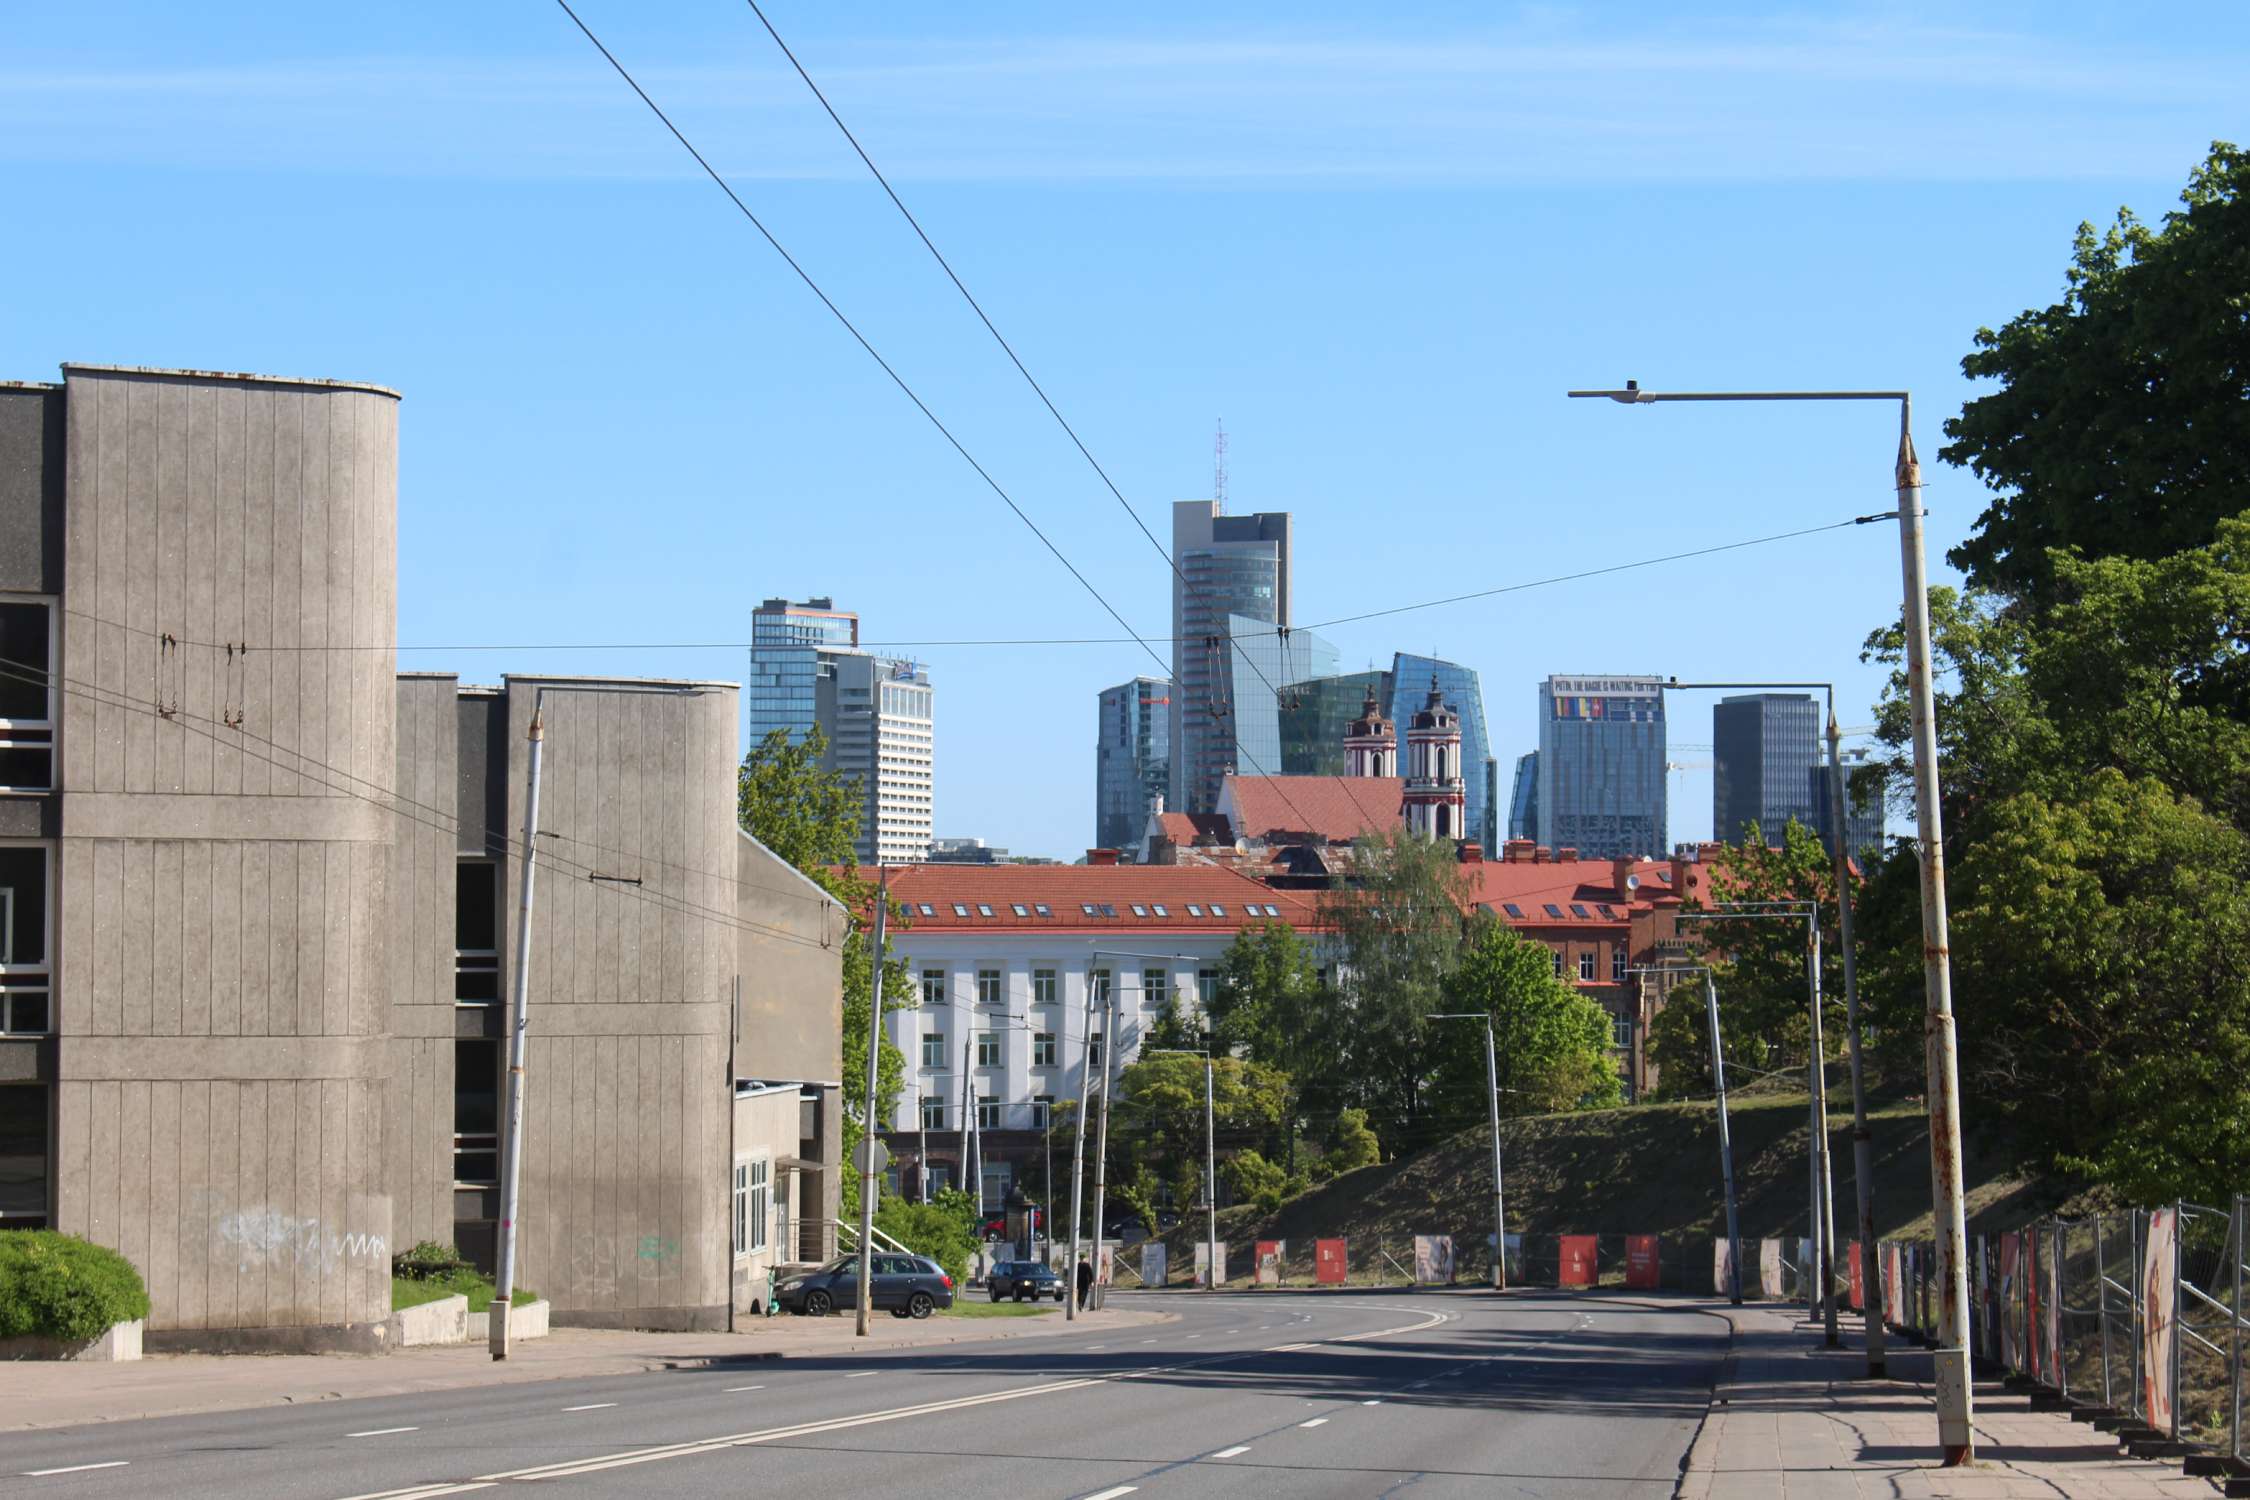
{"x":1314,"y":715}
{"x":1132,"y":758}
{"x":1523,"y":798}
{"x":1261,"y":663}
{"x":1601,"y":766}
{"x":1863,"y":817}
{"x":1228,"y":565}
{"x":1765,"y":748}
{"x":786,"y":642}
{"x":1410,"y":686}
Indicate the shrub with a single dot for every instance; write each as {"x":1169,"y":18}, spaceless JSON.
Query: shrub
{"x":59,"y":1286}
{"x":932,"y":1229}
{"x":428,"y":1261}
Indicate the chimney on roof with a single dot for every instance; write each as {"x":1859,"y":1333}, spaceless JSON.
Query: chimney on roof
{"x":1539,"y":854}
{"x":1516,"y":851}
{"x":1470,"y":852}
{"x":1566,"y":855}
{"x":1621,"y":878}
{"x":1101,"y":856}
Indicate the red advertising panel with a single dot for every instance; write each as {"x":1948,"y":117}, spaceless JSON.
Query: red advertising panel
{"x":1267,"y":1263}
{"x":1859,"y":1279}
{"x":1329,"y":1262}
{"x":1577,"y":1260}
{"x":1642,"y":1268}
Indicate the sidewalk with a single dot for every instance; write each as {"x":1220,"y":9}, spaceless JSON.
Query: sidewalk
{"x":1792,"y":1420}
{"x":62,"y":1394}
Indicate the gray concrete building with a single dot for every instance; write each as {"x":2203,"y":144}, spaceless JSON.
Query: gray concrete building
{"x":257,"y":892}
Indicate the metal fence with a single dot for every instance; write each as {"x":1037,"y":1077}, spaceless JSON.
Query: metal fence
{"x":2140,"y":1315}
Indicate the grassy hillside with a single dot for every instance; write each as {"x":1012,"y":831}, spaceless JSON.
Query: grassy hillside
{"x":1651,"y":1168}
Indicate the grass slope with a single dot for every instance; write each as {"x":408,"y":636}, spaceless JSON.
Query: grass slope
{"x":1649,"y":1168}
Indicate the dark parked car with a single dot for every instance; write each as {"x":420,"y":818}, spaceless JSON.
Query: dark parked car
{"x":1023,"y":1280}
{"x":906,"y":1286}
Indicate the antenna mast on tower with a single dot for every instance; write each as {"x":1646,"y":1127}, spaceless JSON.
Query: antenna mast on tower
{"x":1219,"y":465}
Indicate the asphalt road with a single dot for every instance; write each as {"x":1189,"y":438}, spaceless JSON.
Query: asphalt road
{"x":1436,"y":1394}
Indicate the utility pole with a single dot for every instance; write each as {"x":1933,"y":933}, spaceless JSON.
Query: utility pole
{"x":921,"y":1142}
{"x":511,"y":1164}
{"x":1726,"y":1143}
{"x":1863,"y":1139}
{"x":867,"y":1140}
{"x":1823,"y":1184}
{"x":1211,"y":1180}
{"x":1499,"y":1196}
{"x":1078,"y":1152}
{"x":1101,"y":1145}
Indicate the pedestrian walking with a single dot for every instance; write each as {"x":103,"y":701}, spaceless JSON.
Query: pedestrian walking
{"x":1085,"y":1282}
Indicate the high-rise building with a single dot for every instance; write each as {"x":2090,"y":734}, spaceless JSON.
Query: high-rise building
{"x":1228,"y":565}
{"x":1132,"y":758}
{"x":1523,"y":798}
{"x":1601,"y":766}
{"x":1262,"y":661}
{"x":876,"y":713}
{"x":786,"y":642}
{"x":1863,"y":817}
{"x":1317,"y":714}
{"x":1410,"y":678}
{"x":1764,"y":749}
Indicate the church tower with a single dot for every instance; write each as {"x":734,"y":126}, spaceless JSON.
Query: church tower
{"x":1370,"y":744}
{"x":1437,"y":798}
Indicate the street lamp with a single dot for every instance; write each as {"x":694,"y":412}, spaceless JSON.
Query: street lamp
{"x":1210,"y":1168}
{"x":1726,"y":1142}
{"x":1101,"y":1141}
{"x":1948,"y":1213}
{"x":1823,"y":1197}
{"x":1499,"y":1192}
{"x":1863,"y":1138}
{"x":511,"y":1160}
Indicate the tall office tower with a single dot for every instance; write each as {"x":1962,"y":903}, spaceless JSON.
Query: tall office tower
{"x":875,"y":711}
{"x":786,"y":643}
{"x":1863,"y":815}
{"x":1132,"y":758}
{"x":1523,"y":798}
{"x":1228,"y":565}
{"x":1489,"y":834}
{"x":1764,"y":747}
{"x":1317,"y":714}
{"x":1601,"y":766}
{"x":1410,"y":678}
{"x":1261,"y":663}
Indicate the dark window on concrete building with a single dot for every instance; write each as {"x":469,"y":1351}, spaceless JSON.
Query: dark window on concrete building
{"x":1042,"y":1111}
{"x":476,"y":1149}
{"x":988,"y":987}
{"x":24,"y":1147}
{"x":26,"y":972}
{"x":27,"y":695}
{"x":988,"y":1049}
{"x":1043,"y":1049}
{"x":933,"y":1114}
{"x":476,"y":933}
{"x":1585,"y":963}
{"x":1042,"y":986}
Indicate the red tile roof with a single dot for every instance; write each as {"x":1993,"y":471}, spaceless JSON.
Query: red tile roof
{"x":1276,"y":809}
{"x":1190,"y":828}
{"x":1532,"y":888}
{"x":1221,"y":901}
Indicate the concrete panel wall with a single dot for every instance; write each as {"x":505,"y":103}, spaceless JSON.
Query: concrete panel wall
{"x":424,"y":860}
{"x":790,"y":953}
{"x":624,"y":1216}
{"x":224,"y":993}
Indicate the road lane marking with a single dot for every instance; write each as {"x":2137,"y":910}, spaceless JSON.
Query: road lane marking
{"x":1377,"y":1402}
{"x":1123,"y":1489}
{"x":1091,"y":1348}
{"x":737,"y":1389}
{"x":1315,"y":1422}
{"x":381,"y":1431}
{"x":1235,"y":1452}
{"x":592,"y":1406}
{"x":862,"y":1374}
{"x":115,"y":1463}
{"x":1289,"y":1348}
{"x":1148,"y":1341}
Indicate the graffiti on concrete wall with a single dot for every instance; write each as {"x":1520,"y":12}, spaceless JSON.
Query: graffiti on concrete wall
{"x":263,"y":1236}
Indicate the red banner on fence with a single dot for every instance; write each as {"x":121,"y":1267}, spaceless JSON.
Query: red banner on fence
{"x":1642,"y":1268}
{"x":1859,"y":1279}
{"x":2034,"y":1326}
{"x":1266,"y":1266}
{"x":1577,"y":1260}
{"x":1329,"y":1262}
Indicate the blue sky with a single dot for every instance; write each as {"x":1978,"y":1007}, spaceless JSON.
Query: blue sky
{"x":1380,"y":243}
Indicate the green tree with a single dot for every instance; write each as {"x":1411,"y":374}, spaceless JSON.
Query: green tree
{"x":1269,"y":1004}
{"x":1398,"y":930}
{"x":1253,"y":1179}
{"x":2119,"y":428}
{"x":809,"y":816}
{"x":1352,"y":1145}
{"x":1550,"y":1041}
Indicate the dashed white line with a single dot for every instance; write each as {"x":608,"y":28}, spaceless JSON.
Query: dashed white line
{"x":1315,"y":1422}
{"x":1092,"y":1348}
{"x":737,"y":1389}
{"x":1287,"y":1348}
{"x":381,"y":1431}
{"x":862,"y":1374}
{"x":1145,"y":1341}
{"x":1236,"y":1451}
{"x":1376,"y":1402}
{"x":592,"y":1406}
{"x":115,"y":1463}
{"x":1123,"y":1489}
